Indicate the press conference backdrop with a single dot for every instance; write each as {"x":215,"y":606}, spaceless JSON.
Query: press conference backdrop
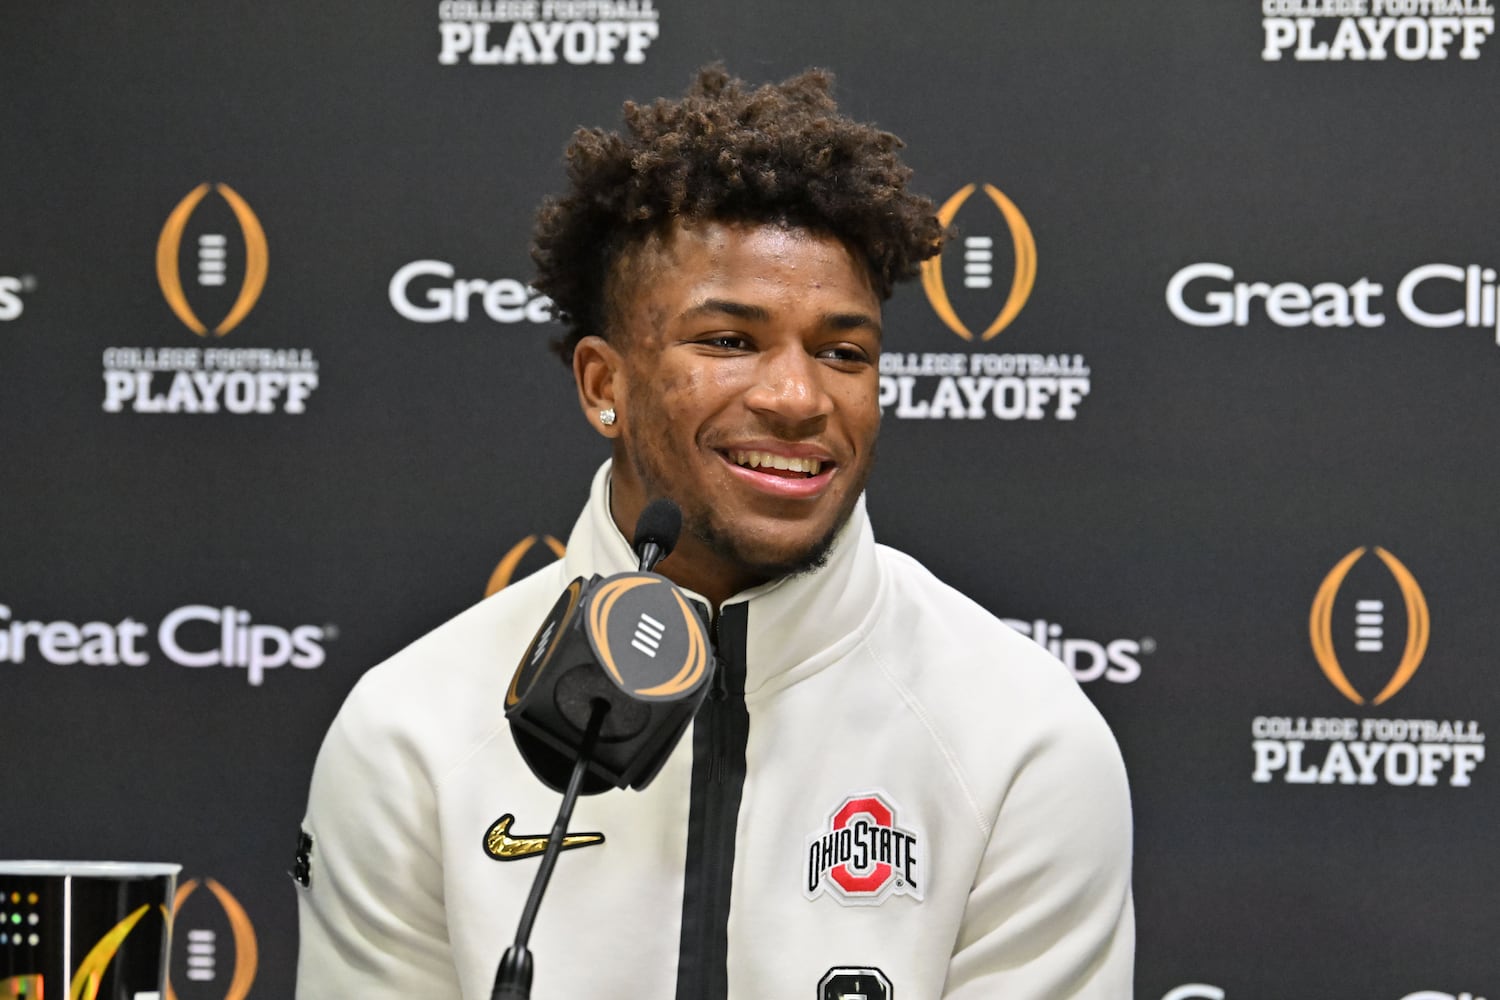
{"x":1203,"y":396}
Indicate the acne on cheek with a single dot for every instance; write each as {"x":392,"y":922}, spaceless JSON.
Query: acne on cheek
{"x":671,"y":395}
{"x":666,"y":384}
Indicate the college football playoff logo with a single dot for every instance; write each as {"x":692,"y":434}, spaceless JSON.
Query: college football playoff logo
{"x":1370,"y":627}
{"x":978,"y":264}
{"x":208,"y":929}
{"x":505,"y":571}
{"x":212,"y":259}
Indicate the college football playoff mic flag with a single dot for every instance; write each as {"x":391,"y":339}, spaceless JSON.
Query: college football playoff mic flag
{"x":633,"y":641}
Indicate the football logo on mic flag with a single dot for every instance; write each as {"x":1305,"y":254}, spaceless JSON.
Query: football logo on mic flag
{"x":861,"y":856}
{"x":674,"y":658}
{"x":543,"y":644}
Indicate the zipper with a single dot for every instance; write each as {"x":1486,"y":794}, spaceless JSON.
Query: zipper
{"x":720,"y":734}
{"x":718,"y":694}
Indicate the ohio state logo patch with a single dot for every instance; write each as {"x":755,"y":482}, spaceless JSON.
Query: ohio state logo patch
{"x":861,"y":856}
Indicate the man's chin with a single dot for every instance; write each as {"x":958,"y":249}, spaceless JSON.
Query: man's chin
{"x":767,"y":562}
{"x":808,"y":560}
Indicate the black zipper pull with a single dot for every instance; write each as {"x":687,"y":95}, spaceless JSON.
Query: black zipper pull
{"x":718,"y":694}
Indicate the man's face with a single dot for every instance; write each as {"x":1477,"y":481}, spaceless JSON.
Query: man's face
{"x":746,"y":391}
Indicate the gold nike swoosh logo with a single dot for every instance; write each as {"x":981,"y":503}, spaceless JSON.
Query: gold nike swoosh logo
{"x":502,"y":846}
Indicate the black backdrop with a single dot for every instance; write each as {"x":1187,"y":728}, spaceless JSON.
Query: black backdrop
{"x":1171,"y":530}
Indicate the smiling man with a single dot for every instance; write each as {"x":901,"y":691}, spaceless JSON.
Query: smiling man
{"x":888,"y":793}
{"x":743,"y":385}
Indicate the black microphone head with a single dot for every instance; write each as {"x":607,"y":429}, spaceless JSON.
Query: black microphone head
{"x":660,"y":524}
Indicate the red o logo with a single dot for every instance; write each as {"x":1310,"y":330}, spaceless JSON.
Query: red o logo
{"x":880,"y":815}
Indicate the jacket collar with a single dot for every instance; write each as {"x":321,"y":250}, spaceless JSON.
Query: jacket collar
{"x":803,"y":621}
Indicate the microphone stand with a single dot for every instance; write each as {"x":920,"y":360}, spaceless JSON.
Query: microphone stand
{"x":513,"y":977}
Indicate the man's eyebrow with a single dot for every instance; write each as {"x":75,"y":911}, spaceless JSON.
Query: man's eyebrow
{"x":728,"y":307}
{"x":852,"y":321}
{"x":760,"y":314}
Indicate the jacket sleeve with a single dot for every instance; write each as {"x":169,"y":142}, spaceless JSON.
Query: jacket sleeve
{"x":371,"y":921}
{"x":1050,"y":915}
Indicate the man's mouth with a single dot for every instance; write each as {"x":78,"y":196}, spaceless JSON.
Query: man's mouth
{"x":777,"y":465}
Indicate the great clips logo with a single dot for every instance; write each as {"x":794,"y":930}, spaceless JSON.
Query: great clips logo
{"x":12,"y":288}
{"x":1116,"y":660}
{"x":1369,"y":628}
{"x":212,"y":263}
{"x":1432,"y":296}
{"x":194,"y":636}
{"x":429,"y":291}
{"x":862,"y":856}
{"x":977,"y":287}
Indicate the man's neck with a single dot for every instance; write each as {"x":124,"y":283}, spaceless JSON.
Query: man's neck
{"x":692,"y":564}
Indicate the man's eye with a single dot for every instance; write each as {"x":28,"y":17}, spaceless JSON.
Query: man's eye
{"x":846,"y":353}
{"x":726,"y":341}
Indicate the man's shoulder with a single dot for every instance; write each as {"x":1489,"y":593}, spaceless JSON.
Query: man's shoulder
{"x":447,"y":686}
{"x":1000,"y":704}
{"x":917,"y":596}
{"x":952,"y":651}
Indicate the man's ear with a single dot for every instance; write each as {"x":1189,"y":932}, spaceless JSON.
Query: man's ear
{"x":597,"y":370}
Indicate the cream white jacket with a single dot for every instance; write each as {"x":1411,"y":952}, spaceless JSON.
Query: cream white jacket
{"x":887,"y":779}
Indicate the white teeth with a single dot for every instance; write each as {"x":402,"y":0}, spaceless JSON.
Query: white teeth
{"x":766,"y":460}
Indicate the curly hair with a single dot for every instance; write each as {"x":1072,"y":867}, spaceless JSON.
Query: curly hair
{"x":726,"y":152}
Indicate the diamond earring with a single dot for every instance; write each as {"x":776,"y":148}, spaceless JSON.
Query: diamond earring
{"x":607,"y":417}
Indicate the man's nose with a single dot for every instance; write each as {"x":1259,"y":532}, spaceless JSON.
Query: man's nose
{"x":790,"y":386}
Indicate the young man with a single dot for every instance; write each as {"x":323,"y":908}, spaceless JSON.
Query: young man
{"x":889,"y":793}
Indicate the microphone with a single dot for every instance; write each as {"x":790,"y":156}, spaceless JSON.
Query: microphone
{"x":656,"y":532}
{"x":607,"y":687}
{"x":632,"y":641}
